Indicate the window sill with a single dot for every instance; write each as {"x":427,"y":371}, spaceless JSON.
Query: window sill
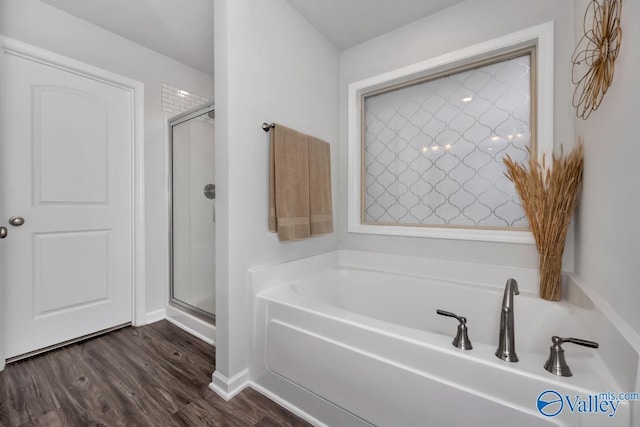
{"x":485,"y":235}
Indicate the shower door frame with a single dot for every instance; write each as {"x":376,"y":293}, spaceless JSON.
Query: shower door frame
{"x":174,"y":121}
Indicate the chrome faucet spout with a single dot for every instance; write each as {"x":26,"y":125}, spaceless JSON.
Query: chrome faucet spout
{"x":510,"y":289}
{"x":506,"y":338}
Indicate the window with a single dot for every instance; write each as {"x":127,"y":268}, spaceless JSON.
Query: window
{"x":426,"y":142}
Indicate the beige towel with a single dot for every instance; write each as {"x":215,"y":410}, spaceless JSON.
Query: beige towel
{"x":289,"y":184}
{"x":299,"y":185}
{"x":320,"y":187}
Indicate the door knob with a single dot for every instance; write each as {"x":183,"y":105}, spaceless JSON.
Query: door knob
{"x":16,"y":221}
{"x":3,"y":232}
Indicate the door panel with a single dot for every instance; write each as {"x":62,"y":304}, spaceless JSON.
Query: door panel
{"x":67,"y":170}
{"x":58,"y":145}
{"x":78,"y":278}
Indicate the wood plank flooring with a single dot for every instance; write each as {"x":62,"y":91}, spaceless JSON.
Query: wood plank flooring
{"x":156,"y":375}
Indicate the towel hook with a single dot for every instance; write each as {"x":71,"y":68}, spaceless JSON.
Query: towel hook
{"x":268,"y":126}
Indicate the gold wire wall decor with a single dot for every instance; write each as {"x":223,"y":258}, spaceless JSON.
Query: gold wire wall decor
{"x":595,"y":54}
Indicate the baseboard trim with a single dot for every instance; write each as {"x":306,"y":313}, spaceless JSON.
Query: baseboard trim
{"x":155,"y":316}
{"x":191,"y":331}
{"x":227,"y":388}
{"x":287,"y":405}
{"x":197,"y":327}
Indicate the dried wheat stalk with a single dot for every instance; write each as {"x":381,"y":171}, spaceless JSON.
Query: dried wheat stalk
{"x":549,"y":196}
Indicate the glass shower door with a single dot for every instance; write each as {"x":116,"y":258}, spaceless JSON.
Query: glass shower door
{"x":193,"y":213}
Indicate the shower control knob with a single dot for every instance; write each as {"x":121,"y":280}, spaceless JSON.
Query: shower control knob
{"x":209,"y":191}
{"x":3,"y":232}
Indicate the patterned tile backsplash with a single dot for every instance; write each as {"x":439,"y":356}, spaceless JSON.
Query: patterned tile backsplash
{"x":175,"y":100}
{"x":433,"y":151}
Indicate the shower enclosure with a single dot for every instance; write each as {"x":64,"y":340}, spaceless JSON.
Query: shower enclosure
{"x":192,"y":212}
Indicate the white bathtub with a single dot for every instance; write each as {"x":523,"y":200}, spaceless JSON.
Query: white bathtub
{"x":348,"y":345}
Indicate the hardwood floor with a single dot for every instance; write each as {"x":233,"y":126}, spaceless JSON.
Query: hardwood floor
{"x":156,"y":375}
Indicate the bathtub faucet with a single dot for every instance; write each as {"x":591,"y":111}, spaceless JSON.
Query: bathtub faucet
{"x":506,"y":339}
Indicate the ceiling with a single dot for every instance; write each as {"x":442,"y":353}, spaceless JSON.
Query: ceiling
{"x":347,"y":23}
{"x":183,"y":30}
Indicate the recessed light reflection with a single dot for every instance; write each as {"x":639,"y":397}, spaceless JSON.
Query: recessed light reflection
{"x":495,"y":138}
{"x":434,"y":148}
{"x":467,"y":99}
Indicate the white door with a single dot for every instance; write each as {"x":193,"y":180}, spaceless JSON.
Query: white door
{"x":66,"y":169}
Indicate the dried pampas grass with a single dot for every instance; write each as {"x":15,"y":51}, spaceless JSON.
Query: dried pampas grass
{"x":549,"y":196}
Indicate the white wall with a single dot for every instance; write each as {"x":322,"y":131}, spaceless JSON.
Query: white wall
{"x":41,"y":25}
{"x":607,"y":221}
{"x":457,"y":27}
{"x":271,"y":65}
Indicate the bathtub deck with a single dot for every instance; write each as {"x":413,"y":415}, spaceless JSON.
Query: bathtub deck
{"x":156,"y":375}
{"x":370,"y":342}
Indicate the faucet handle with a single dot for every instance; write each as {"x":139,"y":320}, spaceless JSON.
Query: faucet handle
{"x":556,"y":364}
{"x":556,"y":340}
{"x":462,"y":320}
{"x":462,"y":337}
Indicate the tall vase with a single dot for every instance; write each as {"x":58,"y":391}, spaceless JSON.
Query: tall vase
{"x":551,"y":277}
